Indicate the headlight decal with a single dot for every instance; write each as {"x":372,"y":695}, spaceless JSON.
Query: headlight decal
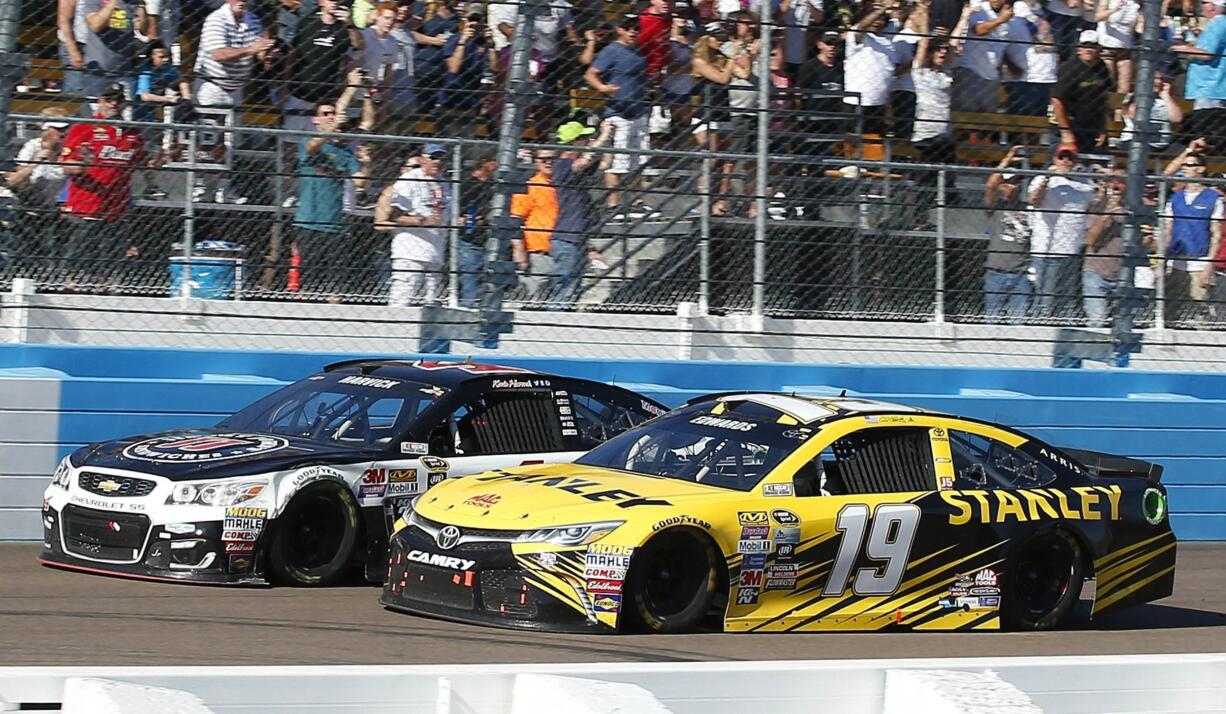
{"x":572,"y":535}
{"x":225,"y":492}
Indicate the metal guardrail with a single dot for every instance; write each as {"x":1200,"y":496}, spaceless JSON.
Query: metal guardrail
{"x":1053,"y":685}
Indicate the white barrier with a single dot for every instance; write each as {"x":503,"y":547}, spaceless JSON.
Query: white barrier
{"x":1054,"y":685}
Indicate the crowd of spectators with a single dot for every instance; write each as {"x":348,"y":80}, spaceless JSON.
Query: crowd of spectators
{"x":681,"y":73}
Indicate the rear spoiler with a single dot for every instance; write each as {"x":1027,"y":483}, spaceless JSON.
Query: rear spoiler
{"x":1112,"y":466}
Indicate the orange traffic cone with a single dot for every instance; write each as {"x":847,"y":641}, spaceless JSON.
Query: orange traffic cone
{"x":293,"y":283}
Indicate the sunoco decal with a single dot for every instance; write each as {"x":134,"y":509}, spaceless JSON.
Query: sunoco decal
{"x":180,"y":448}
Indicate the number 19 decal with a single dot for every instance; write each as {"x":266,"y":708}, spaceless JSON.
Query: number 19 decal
{"x":889,"y":540}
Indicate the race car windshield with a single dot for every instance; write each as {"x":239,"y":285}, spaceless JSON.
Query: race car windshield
{"x":350,"y":408}
{"x":731,"y":447}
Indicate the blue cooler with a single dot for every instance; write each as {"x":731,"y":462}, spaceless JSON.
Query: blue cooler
{"x":211,"y":278}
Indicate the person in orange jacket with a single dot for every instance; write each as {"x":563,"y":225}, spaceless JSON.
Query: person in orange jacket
{"x":539,"y":210}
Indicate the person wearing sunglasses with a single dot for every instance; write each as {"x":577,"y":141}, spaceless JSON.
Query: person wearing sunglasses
{"x":1192,"y":219}
{"x":1060,"y":203}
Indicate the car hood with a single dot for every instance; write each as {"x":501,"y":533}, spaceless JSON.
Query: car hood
{"x":558,"y":494}
{"x":191,"y":454}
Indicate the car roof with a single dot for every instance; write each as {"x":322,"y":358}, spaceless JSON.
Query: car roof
{"x":809,"y":409}
{"x":443,"y":374}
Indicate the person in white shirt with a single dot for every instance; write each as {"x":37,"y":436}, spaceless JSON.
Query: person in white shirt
{"x":37,"y":179}
{"x":1117,"y":23}
{"x":415,"y":208}
{"x":1059,"y":231}
{"x":977,"y":72}
{"x":869,"y":67}
{"x":1031,"y":62}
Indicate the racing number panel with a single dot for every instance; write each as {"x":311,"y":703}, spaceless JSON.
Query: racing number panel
{"x":931,"y":558}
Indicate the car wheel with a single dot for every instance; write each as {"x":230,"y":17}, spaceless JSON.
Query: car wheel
{"x":672,"y":582}
{"x":315,"y":536}
{"x":1042,"y":582}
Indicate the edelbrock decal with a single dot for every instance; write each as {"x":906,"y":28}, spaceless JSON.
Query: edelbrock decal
{"x":188,"y":448}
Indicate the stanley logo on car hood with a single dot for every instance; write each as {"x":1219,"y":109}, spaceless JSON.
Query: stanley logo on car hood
{"x":526,"y":493}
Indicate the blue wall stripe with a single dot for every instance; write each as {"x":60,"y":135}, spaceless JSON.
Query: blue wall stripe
{"x":1178,"y":420}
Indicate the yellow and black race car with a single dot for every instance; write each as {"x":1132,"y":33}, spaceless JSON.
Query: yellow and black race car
{"x":784,"y":513}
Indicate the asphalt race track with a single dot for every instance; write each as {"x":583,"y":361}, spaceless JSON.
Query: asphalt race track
{"x":53,"y":617}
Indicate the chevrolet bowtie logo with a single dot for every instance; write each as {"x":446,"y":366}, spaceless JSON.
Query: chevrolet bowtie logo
{"x":109,"y":486}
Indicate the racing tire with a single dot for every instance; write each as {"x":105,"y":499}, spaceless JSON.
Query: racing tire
{"x":315,"y":536}
{"x":672,"y":582}
{"x":1042,"y":583}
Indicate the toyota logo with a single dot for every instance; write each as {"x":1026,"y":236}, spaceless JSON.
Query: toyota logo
{"x":448,"y":537}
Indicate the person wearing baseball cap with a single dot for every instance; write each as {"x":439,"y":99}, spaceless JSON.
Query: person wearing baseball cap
{"x":415,"y":209}
{"x":1080,"y":100}
{"x":1006,"y":279}
{"x":574,"y":177}
{"x":99,"y":160}
{"x":37,"y":179}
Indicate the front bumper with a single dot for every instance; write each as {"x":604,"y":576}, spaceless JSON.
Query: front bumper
{"x":128,"y":544}
{"x":485,"y":584}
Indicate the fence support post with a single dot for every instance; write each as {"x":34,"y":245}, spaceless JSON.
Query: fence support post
{"x":759,"y":228}
{"x":13,"y":67}
{"x":189,"y":217}
{"x":1124,"y":337}
{"x":453,"y":270}
{"x":704,"y":241}
{"x":939,"y":302}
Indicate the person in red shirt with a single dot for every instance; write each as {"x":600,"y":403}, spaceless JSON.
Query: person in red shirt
{"x":654,"y":24}
{"x":99,"y":160}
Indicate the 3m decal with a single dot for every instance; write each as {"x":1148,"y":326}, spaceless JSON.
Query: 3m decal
{"x":374,"y":476}
{"x":206,"y":447}
{"x":1082,"y":503}
{"x":591,"y":490}
{"x":752,"y":518}
{"x":751,"y":578}
{"x":358,"y":380}
{"x":893,"y":531}
{"x":442,"y":561}
{"x":785,"y":518}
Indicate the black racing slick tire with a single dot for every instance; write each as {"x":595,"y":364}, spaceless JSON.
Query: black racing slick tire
{"x":314,"y":537}
{"x":1042,"y":581}
{"x":672,"y":582}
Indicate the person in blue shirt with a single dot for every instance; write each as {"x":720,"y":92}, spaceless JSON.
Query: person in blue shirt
{"x":468,"y":55}
{"x":1206,"y":81}
{"x":432,"y":35}
{"x":620,"y":73}
{"x":319,"y":226}
{"x":158,"y":84}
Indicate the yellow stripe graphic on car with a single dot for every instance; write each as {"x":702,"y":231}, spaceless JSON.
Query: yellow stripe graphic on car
{"x":1125,"y":592}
